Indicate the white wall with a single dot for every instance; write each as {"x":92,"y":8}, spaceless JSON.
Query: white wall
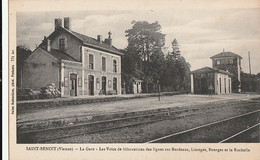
{"x":220,"y":89}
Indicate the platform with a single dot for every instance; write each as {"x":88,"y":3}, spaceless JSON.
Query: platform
{"x":131,"y":105}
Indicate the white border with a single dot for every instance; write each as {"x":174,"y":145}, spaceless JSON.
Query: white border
{"x":5,"y":45}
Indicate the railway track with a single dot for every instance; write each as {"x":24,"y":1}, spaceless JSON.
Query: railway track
{"x":235,"y":137}
{"x":186,"y":135}
{"x":49,"y":134}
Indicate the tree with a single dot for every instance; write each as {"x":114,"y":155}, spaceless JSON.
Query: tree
{"x":177,"y":71}
{"x":145,"y":43}
{"x":249,"y":82}
{"x":22,"y":54}
{"x":175,"y":47}
{"x":145,"y":59}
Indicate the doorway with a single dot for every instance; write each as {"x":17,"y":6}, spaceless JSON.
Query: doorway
{"x":115,"y":84}
{"x":91,"y":84}
{"x":104,"y":84}
{"x":73,"y":84}
{"x":220,"y":85}
{"x":225,"y":85}
{"x":204,"y":86}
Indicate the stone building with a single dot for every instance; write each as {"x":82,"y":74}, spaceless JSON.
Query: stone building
{"x":202,"y":78}
{"x":231,"y":62}
{"x":76,"y":63}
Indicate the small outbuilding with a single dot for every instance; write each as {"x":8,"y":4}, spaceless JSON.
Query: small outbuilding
{"x":137,"y":85}
{"x":205,"y":79}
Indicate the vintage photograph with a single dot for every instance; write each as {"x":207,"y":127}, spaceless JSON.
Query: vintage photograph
{"x":139,"y":79}
{"x":131,"y":76}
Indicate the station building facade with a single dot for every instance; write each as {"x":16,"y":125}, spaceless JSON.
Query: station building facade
{"x":75,"y":63}
{"x":202,"y":78}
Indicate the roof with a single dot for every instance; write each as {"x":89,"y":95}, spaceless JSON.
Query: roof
{"x":136,"y":80}
{"x":226,"y":54}
{"x":210,"y":70}
{"x":89,"y":41}
{"x":61,"y":55}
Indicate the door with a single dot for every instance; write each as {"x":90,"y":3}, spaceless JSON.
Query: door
{"x":115,"y":84}
{"x":220,"y":85}
{"x":204,"y":86}
{"x":225,"y":85}
{"x":73,"y":84}
{"x":91,"y":85}
{"x":104,"y":84}
{"x":197,"y":88}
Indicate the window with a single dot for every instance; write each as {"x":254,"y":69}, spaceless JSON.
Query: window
{"x":62,"y":44}
{"x":91,"y":61}
{"x":218,"y":62}
{"x":103,"y":63}
{"x":114,"y":65}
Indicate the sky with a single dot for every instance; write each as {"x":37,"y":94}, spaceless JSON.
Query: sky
{"x":201,"y":32}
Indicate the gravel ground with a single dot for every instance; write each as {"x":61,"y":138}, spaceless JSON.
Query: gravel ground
{"x":144,"y":133}
{"x":132,"y":105}
{"x":114,"y":107}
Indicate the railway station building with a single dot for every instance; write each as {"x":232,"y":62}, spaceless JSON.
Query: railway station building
{"x":76,"y":63}
{"x":231,"y":62}
{"x":202,"y":78}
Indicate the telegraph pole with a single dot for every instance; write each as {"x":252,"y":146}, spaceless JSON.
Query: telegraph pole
{"x":249,"y":62}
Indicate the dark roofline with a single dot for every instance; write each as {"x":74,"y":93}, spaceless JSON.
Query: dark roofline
{"x":102,"y":49}
{"x":66,"y":54}
{"x":218,"y":55}
{"x":64,"y":29}
{"x":87,"y":44}
{"x":212,"y":70}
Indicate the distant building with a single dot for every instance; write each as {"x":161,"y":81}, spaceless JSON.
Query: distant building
{"x":202,"y":78}
{"x":230,"y":62}
{"x":137,"y":85}
{"x":134,"y":86}
{"x":76,"y":63}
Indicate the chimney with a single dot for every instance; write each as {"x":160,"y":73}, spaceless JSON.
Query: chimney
{"x":99,"y":38}
{"x":109,"y":39}
{"x":44,"y":38}
{"x":46,"y":44}
{"x":58,"y":23}
{"x":67,"y":23}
